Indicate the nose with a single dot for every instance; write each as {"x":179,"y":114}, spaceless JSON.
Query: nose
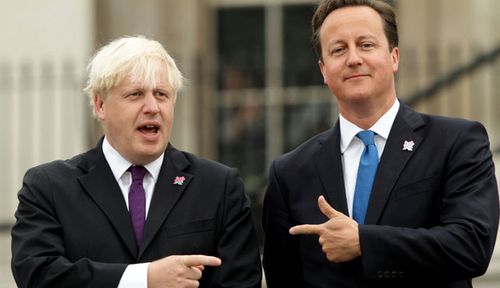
{"x":353,"y":58}
{"x":151,"y":103}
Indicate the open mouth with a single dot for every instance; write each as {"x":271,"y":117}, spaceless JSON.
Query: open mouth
{"x":149,"y":129}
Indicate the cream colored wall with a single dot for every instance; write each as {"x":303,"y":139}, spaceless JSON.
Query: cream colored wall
{"x":42,"y":57}
{"x":43,"y":114}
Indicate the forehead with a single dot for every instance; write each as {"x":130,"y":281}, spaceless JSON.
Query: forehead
{"x":353,"y":21}
{"x":146,"y":77}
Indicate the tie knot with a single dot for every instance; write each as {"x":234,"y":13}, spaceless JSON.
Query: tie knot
{"x":138,"y":172}
{"x":367,"y":137}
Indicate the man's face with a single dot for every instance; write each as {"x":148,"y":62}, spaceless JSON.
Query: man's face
{"x":138,"y":120}
{"x":357,"y":64}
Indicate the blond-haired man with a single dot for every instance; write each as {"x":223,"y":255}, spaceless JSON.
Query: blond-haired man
{"x":134,"y":211}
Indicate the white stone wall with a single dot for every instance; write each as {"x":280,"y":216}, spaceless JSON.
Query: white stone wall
{"x":45,"y":45}
{"x":43,"y":113}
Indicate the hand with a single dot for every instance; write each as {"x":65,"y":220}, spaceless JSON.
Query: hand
{"x":181,"y":271}
{"x":338,"y":237}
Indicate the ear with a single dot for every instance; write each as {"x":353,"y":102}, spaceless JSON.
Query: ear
{"x":322,"y":68}
{"x":395,"y":59}
{"x":99,"y":106}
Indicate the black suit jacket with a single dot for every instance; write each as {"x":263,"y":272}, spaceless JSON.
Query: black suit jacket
{"x":73,"y":228}
{"x":432,"y":218}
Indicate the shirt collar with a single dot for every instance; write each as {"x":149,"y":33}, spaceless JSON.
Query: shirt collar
{"x":119,"y":165}
{"x":382,"y":127}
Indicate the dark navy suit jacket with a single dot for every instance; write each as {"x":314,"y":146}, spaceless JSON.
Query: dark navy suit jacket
{"x":73,"y":228}
{"x":432,"y":218}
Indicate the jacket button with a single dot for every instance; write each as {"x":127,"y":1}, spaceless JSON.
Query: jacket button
{"x":380,"y":274}
{"x":394,"y":274}
{"x":387,"y":274}
{"x":401,"y":274}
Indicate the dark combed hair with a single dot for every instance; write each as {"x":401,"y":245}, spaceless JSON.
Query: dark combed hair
{"x":384,"y":9}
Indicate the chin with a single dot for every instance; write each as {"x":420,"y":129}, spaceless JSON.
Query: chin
{"x":356,"y":98}
{"x":149,"y":154}
{"x":153,"y":152}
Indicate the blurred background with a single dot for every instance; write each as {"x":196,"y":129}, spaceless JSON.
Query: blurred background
{"x":254,"y":89}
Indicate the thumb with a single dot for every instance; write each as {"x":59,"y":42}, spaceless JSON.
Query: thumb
{"x":325,"y":208}
{"x":199,"y":267}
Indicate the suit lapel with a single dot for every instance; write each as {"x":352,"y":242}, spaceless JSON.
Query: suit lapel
{"x":166,"y":193}
{"x":102,"y":187}
{"x":328,"y":164}
{"x":393,"y":160}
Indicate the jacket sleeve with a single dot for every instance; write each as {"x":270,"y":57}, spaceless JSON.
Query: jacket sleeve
{"x":460,"y":244}
{"x":38,"y":250}
{"x":237,"y":245}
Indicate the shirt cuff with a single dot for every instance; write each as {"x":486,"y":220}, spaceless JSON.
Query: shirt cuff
{"x":135,"y":276}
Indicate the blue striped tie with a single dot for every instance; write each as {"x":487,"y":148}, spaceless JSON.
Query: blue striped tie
{"x":367,"y":169}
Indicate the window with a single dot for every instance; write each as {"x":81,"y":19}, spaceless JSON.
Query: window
{"x":270,"y":93}
{"x":241,"y":48}
{"x":300,"y":62}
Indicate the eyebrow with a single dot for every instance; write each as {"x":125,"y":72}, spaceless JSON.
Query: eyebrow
{"x":369,"y":36}
{"x":363,"y":36}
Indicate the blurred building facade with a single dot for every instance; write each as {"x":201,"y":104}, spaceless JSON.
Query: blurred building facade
{"x":254,"y":90}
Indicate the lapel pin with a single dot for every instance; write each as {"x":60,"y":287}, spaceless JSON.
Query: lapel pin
{"x":408,"y":145}
{"x":179,"y":180}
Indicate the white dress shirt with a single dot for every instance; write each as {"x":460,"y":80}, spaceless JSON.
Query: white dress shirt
{"x":136,"y":275}
{"x":351,"y":147}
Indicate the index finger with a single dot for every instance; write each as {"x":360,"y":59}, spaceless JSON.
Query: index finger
{"x":305,"y":229}
{"x":200,"y":260}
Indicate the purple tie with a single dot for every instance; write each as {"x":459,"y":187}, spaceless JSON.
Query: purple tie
{"x":137,"y":201}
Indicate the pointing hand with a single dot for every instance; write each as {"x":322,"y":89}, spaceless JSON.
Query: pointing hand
{"x":338,"y":237}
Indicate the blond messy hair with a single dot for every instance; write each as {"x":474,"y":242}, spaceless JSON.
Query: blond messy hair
{"x":131,"y":56}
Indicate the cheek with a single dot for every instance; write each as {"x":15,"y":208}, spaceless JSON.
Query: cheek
{"x":121,"y":119}
{"x":334,"y":71}
{"x":334,"y":76}
{"x":168,"y":114}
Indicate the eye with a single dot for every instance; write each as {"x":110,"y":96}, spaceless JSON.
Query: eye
{"x":159,"y":93}
{"x":367,"y":45}
{"x":337,"y":50}
{"x":135,"y":93}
